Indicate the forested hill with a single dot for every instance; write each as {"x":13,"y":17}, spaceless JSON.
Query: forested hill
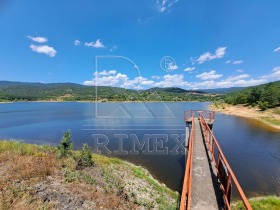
{"x":266,"y":96}
{"x":19,"y":91}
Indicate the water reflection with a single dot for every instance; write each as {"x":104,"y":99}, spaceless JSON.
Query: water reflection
{"x":252,"y":149}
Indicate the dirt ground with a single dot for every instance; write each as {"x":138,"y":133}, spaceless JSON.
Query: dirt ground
{"x":271,"y":116}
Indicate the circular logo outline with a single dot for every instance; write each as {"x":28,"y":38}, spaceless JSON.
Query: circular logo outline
{"x":166,"y":62}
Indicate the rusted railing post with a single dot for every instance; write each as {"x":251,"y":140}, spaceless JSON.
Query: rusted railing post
{"x":221,"y":157}
{"x":186,"y":190}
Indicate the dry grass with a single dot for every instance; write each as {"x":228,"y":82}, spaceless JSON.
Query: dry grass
{"x":22,"y":165}
{"x":31,"y":177}
{"x":26,"y":167}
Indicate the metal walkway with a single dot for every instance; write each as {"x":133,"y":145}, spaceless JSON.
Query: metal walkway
{"x":208,"y":177}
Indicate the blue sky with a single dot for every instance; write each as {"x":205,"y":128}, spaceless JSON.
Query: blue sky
{"x":192,"y":44}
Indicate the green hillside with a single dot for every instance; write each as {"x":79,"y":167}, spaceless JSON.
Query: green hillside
{"x":19,"y":91}
{"x":173,"y":90}
{"x":266,"y":96}
{"x":223,"y":90}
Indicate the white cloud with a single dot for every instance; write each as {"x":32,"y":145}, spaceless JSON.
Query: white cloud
{"x":171,"y":81}
{"x":220,"y":52}
{"x":115,"y":79}
{"x":105,"y":73}
{"x":238,"y":77}
{"x":204,"y":57}
{"x":202,"y":85}
{"x":89,"y":83}
{"x":189,"y":69}
{"x":97,"y":44}
{"x":240,"y":70}
{"x":275,"y":75}
{"x":277,"y":49}
{"x":209,"y":80}
{"x":44,"y":49}
{"x":147,"y":82}
{"x":107,"y":78}
{"x":209,"y":75}
{"x":234,"y":62}
{"x":246,"y":83}
{"x":136,"y":83}
{"x":156,"y":77}
{"x":276,"y":69}
{"x":234,"y":82}
{"x":77,"y":42}
{"x":237,"y":62}
{"x":39,"y":39}
{"x":164,"y":5}
{"x":231,"y":81}
{"x":172,"y":67}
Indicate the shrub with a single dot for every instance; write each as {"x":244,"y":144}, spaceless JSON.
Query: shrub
{"x":66,"y":144}
{"x":254,"y":104}
{"x":70,"y":176}
{"x":263,"y":105}
{"x":85,"y":159}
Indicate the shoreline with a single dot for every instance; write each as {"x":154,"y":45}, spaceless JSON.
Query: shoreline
{"x":266,"y":202}
{"x":49,"y":180}
{"x":100,"y":101}
{"x":270,"y":117}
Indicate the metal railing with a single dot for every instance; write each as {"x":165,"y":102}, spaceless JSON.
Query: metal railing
{"x":186,"y":191}
{"x":188,"y":114}
{"x":223,"y":169}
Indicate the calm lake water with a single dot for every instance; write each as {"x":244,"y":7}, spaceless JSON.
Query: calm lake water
{"x":252,"y":149}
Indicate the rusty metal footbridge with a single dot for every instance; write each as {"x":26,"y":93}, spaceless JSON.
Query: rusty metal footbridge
{"x":208,"y":179}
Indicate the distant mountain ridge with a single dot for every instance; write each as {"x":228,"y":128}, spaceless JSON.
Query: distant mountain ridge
{"x":155,"y":89}
{"x":172,"y":90}
{"x":223,"y":90}
{"x":24,"y":91}
{"x":11,"y":83}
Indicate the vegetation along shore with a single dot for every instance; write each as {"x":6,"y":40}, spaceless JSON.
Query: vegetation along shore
{"x":260,"y":102}
{"x":48,"y":177}
{"x":20,"y":91}
{"x":270,"y":117}
{"x":45,"y":177}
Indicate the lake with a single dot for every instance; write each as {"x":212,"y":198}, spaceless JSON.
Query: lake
{"x":252,"y":149}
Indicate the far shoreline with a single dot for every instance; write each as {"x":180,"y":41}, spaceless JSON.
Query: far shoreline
{"x":268,"y":118}
{"x":100,"y":101}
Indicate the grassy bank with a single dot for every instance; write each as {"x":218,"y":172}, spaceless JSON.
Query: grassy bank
{"x":33,"y":177}
{"x":262,"y":203}
{"x":270,"y":117}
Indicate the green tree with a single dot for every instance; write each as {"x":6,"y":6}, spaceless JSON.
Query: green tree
{"x":263,"y":105}
{"x":65,"y":145}
{"x":241,"y":98}
{"x":85,"y":159}
{"x":271,"y":94}
{"x":255,"y":95}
